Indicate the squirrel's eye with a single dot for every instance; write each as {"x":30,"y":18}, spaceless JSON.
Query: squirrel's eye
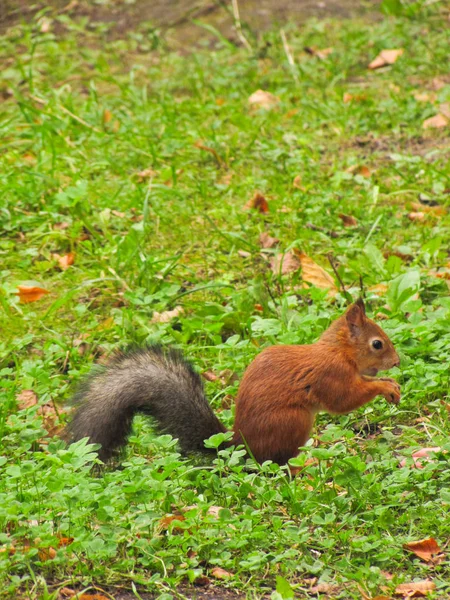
{"x":377,"y":344}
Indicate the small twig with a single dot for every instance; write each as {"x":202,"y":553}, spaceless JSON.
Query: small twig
{"x":220,"y":161}
{"x":238,"y":26}
{"x":330,"y":232}
{"x":79,"y":119}
{"x":372,"y":229}
{"x":289,"y":55}
{"x":123,"y":282}
{"x":269,"y":291}
{"x":361,"y":287}
{"x":68,"y":112}
{"x":338,"y":277}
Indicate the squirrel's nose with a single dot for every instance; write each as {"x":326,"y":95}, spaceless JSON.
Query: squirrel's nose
{"x":397,"y":362}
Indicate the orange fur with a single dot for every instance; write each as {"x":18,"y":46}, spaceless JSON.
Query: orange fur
{"x":285,"y":386}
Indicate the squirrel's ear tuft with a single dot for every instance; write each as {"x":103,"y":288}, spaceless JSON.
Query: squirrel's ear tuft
{"x":355,"y":316}
{"x":360,"y":303}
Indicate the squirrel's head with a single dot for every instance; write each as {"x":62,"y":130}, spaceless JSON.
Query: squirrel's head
{"x":374,"y":351}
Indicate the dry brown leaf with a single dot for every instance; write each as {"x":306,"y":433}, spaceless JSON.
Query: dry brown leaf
{"x":262,"y":99}
{"x":65,"y":261}
{"x":119,"y":214}
{"x":168,"y":519}
{"x":65,"y":541}
{"x":92,"y":597}
{"x":348,"y":97}
{"x":435,"y":122}
{"x":167,"y":316}
{"x":434,"y":210}
{"x":26,"y":399}
{"x":49,"y":416}
{"x":415,"y":589}
{"x":219,"y":573}
{"x":291,"y":113}
{"x":348,"y":220}
{"x":61,"y":226}
{"x":284,"y":263}
{"x":320,"y":53}
{"x":257,"y":202}
{"x":437,"y":84}
{"x":425,"y":96}
{"x":244,"y":254}
{"x":202,"y":581}
{"x":66,"y":593}
{"x":107,"y":116}
{"x":386,"y":57}
{"x":297,"y":183}
{"x":426,"y":549}
{"x":210,"y":376}
{"x":380,"y":289}
{"x":146,"y":174}
{"x":45,"y":554}
{"x":314,"y":274}
{"x":214,"y":510}
{"x":324,"y":588}
{"x":359,"y":170}
{"x":267,"y":241}
{"x":45,"y":25}
{"x":444,"y":109}
{"x":416,"y":216}
{"x":420,"y":455}
{"x":364,"y":171}
{"x":225,"y":179}
{"x":29,"y":294}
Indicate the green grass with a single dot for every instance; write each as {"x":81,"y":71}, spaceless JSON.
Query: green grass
{"x":152,"y":245}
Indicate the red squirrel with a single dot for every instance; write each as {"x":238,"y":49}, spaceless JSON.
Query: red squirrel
{"x":279,"y":395}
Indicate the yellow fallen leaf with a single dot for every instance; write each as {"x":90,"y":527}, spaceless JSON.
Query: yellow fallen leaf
{"x":107,"y":116}
{"x":435,"y":122}
{"x":386,"y":57}
{"x":315,"y":274}
{"x":29,"y":294}
{"x":262,"y":99}
{"x":380,"y":289}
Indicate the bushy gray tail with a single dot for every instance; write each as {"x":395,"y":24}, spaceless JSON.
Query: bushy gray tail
{"x":150,"y":381}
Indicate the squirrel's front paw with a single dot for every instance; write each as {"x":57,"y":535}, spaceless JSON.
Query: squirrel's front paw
{"x":391,"y":390}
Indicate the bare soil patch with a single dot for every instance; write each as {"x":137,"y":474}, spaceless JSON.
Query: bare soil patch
{"x":176,"y":16}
